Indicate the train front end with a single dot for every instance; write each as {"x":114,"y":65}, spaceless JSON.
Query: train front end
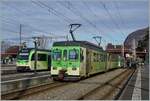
{"x":65,"y":63}
{"x":23,"y":60}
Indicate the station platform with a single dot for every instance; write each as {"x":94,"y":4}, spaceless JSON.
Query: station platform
{"x":138,"y":86}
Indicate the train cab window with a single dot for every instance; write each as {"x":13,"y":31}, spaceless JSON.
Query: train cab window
{"x":56,"y":55}
{"x":97,"y":60}
{"x":65,"y":54}
{"x":42,"y":57}
{"x":73,"y":54}
{"x":23,"y":56}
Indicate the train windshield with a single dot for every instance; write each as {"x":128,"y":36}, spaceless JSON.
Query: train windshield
{"x":73,"y":54}
{"x":23,"y":56}
{"x":56,"y":54}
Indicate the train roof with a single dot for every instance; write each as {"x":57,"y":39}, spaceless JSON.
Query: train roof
{"x":29,"y":49}
{"x":78,"y":43}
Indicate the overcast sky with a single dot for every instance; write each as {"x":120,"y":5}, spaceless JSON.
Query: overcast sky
{"x":111,"y":19}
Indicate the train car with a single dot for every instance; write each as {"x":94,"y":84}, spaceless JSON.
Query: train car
{"x":73,"y":60}
{"x":25,"y":60}
{"x":114,"y":60}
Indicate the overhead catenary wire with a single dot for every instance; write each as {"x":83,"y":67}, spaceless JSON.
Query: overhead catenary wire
{"x":21,"y":12}
{"x":52,"y":10}
{"x":89,"y":8}
{"x":82,"y":17}
{"x":112,"y":19}
{"x":85,"y":4}
{"x":28,"y":24}
{"x":24,"y":25}
{"x":67,"y":19}
{"x":73,"y":9}
{"x":90,"y":22}
{"x":119,"y":15}
{"x":69,"y":9}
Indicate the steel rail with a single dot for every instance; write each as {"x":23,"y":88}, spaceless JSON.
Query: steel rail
{"x":101,"y":86}
{"x":31,"y":90}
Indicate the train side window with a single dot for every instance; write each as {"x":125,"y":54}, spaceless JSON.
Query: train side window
{"x":97,"y":57}
{"x":101,"y":57}
{"x":65,"y":55}
{"x":94,"y":59}
{"x":42,"y":57}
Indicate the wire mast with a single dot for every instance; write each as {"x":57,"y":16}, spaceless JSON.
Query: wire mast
{"x":76,"y":26}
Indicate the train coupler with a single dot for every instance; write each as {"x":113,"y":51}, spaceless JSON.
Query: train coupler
{"x":62,"y":74}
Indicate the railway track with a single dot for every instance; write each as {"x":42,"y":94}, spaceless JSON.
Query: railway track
{"x":17,"y":94}
{"x":6,"y":71}
{"x":22,"y":75}
{"x":110,"y":89}
{"x":25,"y":82}
{"x":107,"y":89}
{"x":8,"y":65}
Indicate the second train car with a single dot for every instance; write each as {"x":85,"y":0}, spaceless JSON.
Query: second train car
{"x":25,"y":60}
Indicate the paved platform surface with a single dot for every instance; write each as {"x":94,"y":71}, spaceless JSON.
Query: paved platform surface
{"x":138,"y":86}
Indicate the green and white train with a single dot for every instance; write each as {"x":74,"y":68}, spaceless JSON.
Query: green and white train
{"x":73,"y":60}
{"x":26,"y":60}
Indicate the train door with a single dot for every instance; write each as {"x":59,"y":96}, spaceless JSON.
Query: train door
{"x":83,"y":61}
{"x":49,"y":62}
{"x":64,"y":59}
{"x":88,"y":61}
{"x":108,"y":61}
{"x":42,"y":62}
{"x":73,"y":60}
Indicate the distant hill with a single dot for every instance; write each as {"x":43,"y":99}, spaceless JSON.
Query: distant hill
{"x":137,"y":35}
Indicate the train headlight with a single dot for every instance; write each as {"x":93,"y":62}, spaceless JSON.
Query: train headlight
{"x":54,"y":68}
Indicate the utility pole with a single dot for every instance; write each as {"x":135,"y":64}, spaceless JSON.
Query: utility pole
{"x":36,"y":43}
{"x":20,"y":35}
